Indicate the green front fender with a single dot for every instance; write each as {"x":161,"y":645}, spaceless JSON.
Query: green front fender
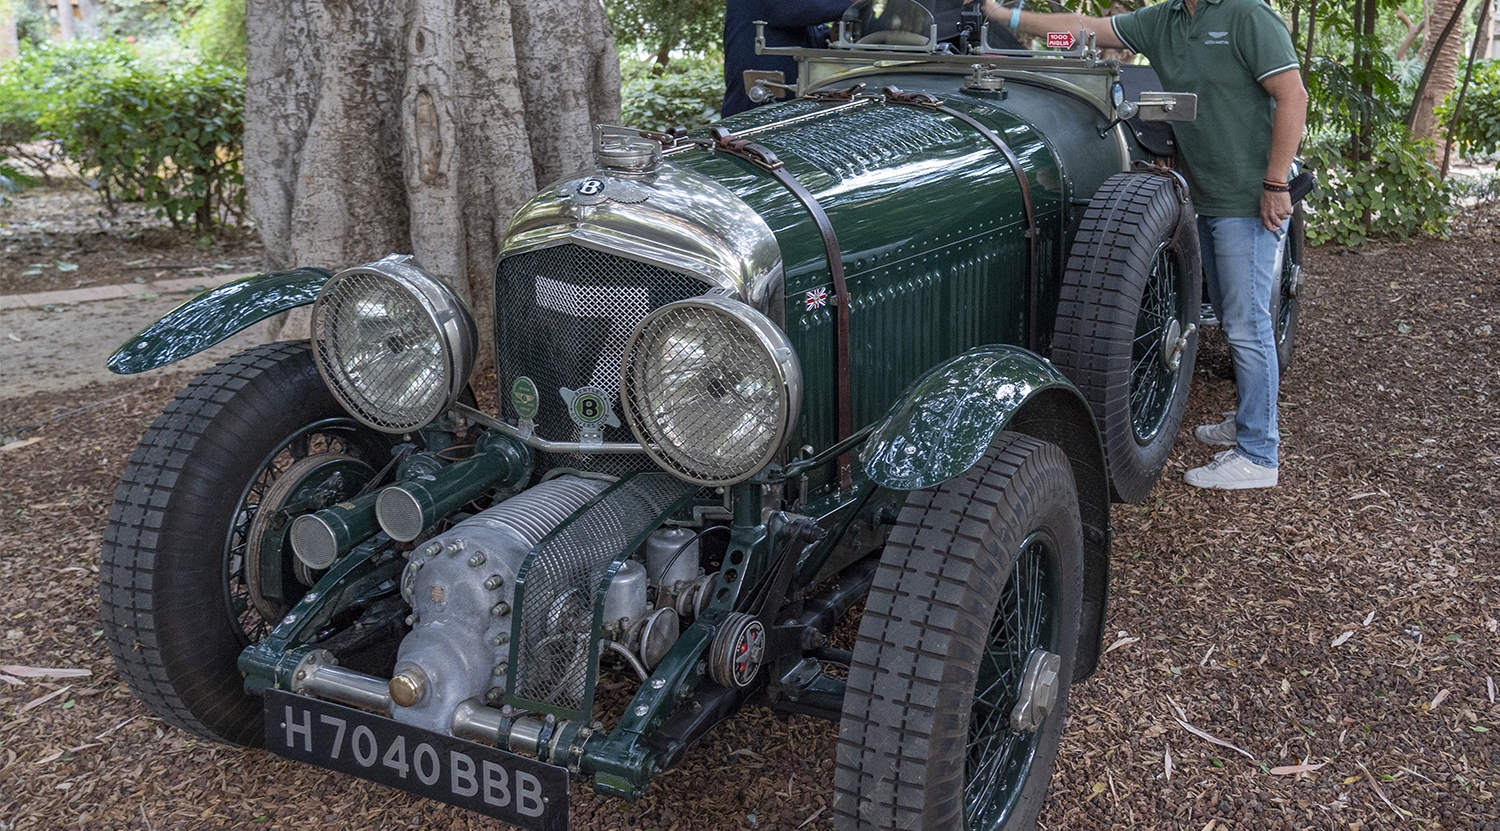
{"x":215,"y":315}
{"x":944,"y":422}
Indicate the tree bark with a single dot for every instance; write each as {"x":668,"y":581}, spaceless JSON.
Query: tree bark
{"x":1458,"y":106}
{"x":1312,"y":27}
{"x":1364,"y":139}
{"x":1487,"y":34}
{"x":416,"y":126}
{"x":1413,"y":28}
{"x":64,"y":20}
{"x":10,"y":47}
{"x":1441,"y":55}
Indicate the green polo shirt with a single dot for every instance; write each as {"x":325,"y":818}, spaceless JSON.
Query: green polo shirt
{"x":1222,"y":52}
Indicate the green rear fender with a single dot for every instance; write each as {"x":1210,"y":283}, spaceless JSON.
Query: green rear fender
{"x":944,"y":422}
{"x":215,"y":315}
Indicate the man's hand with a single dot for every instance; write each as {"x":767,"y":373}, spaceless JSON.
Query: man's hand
{"x":1275,"y":209}
{"x":1038,"y":24}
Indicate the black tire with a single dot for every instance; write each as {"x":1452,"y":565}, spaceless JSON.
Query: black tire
{"x":173,"y":594}
{"x":1286,"y":299}
{"x":935,"y":626}
{"x":1133,"y":274}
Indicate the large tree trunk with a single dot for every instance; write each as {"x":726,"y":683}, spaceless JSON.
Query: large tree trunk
{"x":1489,"y":35}
{"x":416,"y":126}
{"x":64,"y":20}
{"x":1444,"y":69}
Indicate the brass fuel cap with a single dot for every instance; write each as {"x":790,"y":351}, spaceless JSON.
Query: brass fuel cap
{"x":408,"y":687}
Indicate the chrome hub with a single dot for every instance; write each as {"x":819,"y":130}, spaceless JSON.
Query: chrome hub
{"x":1038,"y":694}
{"x":1174,"y":343}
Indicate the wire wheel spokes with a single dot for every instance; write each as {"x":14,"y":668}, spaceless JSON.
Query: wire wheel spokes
{"x":1153,"y":373}
{"x":1291,"y":274}
{"x":340,"y":436}
{"x":998,"y":757}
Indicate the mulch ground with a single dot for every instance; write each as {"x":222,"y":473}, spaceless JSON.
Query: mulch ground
{"x":63,"y":237}
{"x":1321,"y":655}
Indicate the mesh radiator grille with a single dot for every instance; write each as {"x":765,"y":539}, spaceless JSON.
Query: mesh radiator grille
{"x":562,"y":316}
{"x":557,"y":591}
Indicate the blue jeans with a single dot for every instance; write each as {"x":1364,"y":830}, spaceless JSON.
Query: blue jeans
{"x":1239,"y":260}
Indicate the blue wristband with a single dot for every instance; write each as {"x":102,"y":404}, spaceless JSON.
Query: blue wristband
{"x":1015,"y":16}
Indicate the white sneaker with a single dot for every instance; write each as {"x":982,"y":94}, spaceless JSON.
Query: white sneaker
{"x":1222,"y":433}
{"x":1231,"y":471}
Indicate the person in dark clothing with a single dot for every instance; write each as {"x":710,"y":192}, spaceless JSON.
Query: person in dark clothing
{"x":788,"y":23}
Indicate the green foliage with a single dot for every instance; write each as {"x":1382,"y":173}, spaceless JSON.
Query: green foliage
{"x":688,"y":94}
{"x":217,"y":30}
{"x":32,"y":26}
{"x":38,"y":82}
{"x":1337,"y":103}
{"x":1478,"y":130}
{"x":658,"y":27}
{"x":1397,"y":193}
{"x":169,"y":136}
{"x":141,"y":19}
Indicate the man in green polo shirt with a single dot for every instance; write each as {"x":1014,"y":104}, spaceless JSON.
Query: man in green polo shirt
{"x":1237,"y":56}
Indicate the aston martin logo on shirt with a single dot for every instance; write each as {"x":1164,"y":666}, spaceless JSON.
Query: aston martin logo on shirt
{"x":1217,"y":39}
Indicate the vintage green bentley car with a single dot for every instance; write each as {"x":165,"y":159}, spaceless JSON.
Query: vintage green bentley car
{"x":895,"y":342}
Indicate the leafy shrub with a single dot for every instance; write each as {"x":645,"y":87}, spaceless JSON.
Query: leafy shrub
{"x":170,"y":137}
{"x":37,"y":83}
{"x":32,"y":25}
{"x":1399,"y":192}
{"x":1478,"y":130}
{"x":688,"y":94}
{"x":217,"y":30}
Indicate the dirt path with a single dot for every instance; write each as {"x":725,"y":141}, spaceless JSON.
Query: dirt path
{"x":1346,"y":620}
{"x":64,"y":346}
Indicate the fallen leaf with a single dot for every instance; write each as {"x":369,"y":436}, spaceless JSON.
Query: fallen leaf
{"x":37,"y":702}
{"x":1214,"y":739}
{"x":815,"y":815}
{"x":1342,"y":639}
{"x":1119,"y":643}
{"x":17,"y":445}
{"x":62,"y":266}
{"x":12,"y":336}
{"x":44,"y":672}
{"x":1289,"y":770}
{"x":1438,"y":699}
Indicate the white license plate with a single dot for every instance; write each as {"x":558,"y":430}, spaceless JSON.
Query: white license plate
{"x":486,"y":780}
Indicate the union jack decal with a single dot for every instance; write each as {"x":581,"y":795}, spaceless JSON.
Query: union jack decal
{"x":817,"y":298}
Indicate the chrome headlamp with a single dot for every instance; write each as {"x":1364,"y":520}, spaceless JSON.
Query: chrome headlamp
{"x":393,"y":343}
{"x":711,"y":387}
